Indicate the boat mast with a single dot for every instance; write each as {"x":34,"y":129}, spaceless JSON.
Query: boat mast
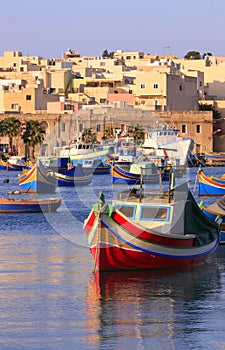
{"x":141,"y":184}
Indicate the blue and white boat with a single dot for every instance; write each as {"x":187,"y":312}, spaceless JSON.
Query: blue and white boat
{"x":216,"y":211}
{"x":90,"y":156}
{"x":37,"y":180}
{"x":210,"y":185}
{"x":74,"y":176}
{"x":25,"y":205}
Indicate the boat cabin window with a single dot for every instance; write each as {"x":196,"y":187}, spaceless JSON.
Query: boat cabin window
{"x":127,"y":210}
{"x":154,"y":213}
{"x":89,"y":162}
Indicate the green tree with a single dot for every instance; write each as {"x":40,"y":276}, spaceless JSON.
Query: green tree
{"x":193,"y":55}
{"x":109,"y":133}
{"x":10,"y":127}
{"x":88,"y":135}
{"x":107,"y":54}
{"x":1,"y":128}
{"x":33,"y":134}
{"x":208,"y":107}
{"x":137,"y":132}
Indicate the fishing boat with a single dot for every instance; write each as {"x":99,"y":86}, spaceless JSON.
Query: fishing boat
{"x":210,"y":185}
{"x":147,"y":230}
{"x":23,"y":205}
{"x":74,"y":176}
{"x":216,"y":211}
{"x":13,"y":164}
{"x":166,"y":142}
{"x":151,"y":168}
{"x":37,"y":179}
{"x":54,"y":163}
{"x":101,"y":168}
{"x":214,"y":158}
{"x":148,"y":174}
{"x":89,"y":155}
{"x":126,"y":152}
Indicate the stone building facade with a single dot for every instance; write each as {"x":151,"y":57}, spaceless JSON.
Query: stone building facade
{"x":61,"y":130}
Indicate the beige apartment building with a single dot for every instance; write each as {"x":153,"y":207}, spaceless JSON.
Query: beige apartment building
{"x":160,"y":90}
{"x":16,"y":96}
{"x":213,"y":68}
{"x":14,"y":61}
{"x":124,"y":85}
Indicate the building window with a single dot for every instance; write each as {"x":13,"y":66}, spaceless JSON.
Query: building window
{"x":198,"y":148}
{"x":98,"y":127}
{"x":198,"y":129}
{"x":155,"y":86}
{"x":63,"y":126}
{"x":21,"y":69}
{"x":81,"y":127}
{"x":102,"y":100}
{"x":15,"y":106}
{"x":180,"y":88}
{"x":184,"y":128}
{"x":28,"y":97}
{"x":142,"y":86}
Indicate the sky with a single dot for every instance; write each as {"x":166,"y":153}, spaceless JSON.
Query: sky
{"x":47,"y":28}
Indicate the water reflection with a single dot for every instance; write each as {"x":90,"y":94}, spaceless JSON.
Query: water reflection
{"x":156,"y":306}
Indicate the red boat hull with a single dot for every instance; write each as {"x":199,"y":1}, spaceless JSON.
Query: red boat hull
{"x":114,"y":258}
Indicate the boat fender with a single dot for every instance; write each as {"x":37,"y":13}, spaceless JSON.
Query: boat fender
{"x":6,"y":181}
{"x":16,"y":192}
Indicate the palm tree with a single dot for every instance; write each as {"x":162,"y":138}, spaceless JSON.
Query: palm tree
{"x":109,"y":133}
{"x":137,"y":132}
{"x":1,"y":127}
{"x":33,"y":134}
{"x":10,"y":127}
{"x":88,"y":135}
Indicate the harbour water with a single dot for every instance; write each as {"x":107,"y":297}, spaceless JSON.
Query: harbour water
{"x":50,"y":298}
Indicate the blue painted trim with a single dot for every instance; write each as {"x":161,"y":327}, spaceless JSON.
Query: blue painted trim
{"x":156,"y":253}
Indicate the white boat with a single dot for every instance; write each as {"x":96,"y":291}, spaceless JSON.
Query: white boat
{"x":89,"y":155}
{"x":17,"y":161}
{"x":166,"y":142}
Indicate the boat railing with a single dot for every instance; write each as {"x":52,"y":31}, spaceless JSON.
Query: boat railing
{"x":135,"y":194}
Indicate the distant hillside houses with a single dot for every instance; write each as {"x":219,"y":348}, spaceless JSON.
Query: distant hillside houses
{"x":30,"y":84}
{"x":128,"y":82}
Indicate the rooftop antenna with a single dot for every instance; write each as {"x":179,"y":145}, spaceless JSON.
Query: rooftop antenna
{"x":167,"y":48}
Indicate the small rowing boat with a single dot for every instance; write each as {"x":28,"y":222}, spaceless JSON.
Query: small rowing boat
{"x":12,"y":205}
